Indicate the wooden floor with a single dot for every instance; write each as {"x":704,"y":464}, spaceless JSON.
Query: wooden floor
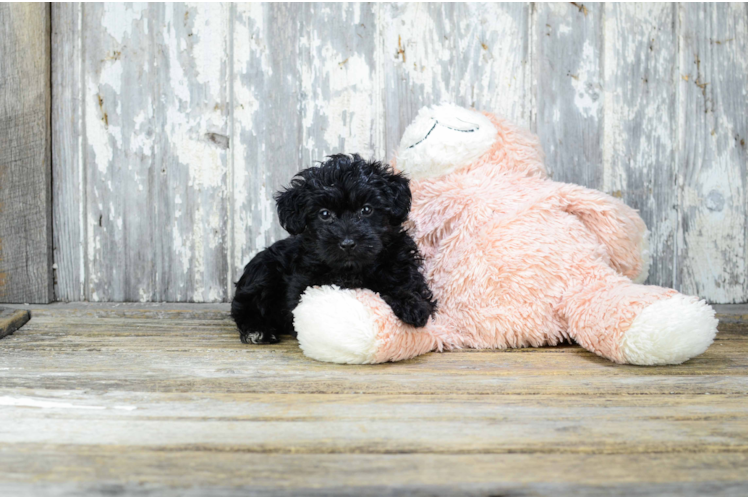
{"x":165,"y":400}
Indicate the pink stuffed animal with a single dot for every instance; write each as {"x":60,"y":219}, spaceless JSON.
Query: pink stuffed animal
{"x":513,"y":258}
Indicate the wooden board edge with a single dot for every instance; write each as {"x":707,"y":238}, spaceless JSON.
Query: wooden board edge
{"x":12,"y":319}
{"x":731,"y":313}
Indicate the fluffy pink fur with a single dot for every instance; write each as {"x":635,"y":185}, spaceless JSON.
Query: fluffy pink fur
{"x":515,"y":259}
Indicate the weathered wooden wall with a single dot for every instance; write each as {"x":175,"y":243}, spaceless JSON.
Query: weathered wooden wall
{"x":25,"y":154}
{"x":174,"y":124}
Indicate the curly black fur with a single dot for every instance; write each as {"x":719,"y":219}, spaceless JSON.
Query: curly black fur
{"x":345,"y":219}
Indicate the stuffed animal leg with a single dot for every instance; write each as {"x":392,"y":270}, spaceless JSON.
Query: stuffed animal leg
{"x":617,"y":319}
{"x":616,"y":225}
{"x":358,"y":327}
{"x":637,"y":324}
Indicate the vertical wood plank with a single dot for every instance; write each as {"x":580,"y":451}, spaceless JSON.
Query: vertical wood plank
{"x":491,"y":59}
{"x":25,"y":154}
{"x":568,"y":66}
{"x":266,"y":122}
{"x":156,"y":102}
{"x":474,"y":55}
{"x":341,"y":103}
{"x":640,"y":51}
{"x":69,"y":174}
{"x":713,"y":144}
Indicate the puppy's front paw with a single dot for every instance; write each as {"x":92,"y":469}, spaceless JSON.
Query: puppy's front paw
{"x":259,"y":338}
{"x":416,"y":313}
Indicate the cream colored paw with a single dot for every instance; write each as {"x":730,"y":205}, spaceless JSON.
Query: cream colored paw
{"x":646,"y":258}
{"x":333,"y":326}
{"x":670,"y":331}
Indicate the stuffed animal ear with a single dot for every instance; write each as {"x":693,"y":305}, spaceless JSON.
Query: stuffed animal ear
{"x":291,"y":206}
{"x":399,"y":188}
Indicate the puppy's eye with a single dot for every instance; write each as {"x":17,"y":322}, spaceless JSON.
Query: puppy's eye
{"x":366,"y":210}
{"x":325,"y":214}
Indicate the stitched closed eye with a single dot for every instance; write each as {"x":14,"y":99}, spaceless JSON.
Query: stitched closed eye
{"x":436,"y":122}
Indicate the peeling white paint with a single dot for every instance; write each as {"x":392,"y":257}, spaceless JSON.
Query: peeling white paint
{"x":198,"y":267}
{"x":494,"y":75}
{"x":142,"y":137}
{"x":714,"y":204}
{"x":585,"y":83}
{"x":118,"y":18}
{"x":258,"y":37}
{"x":210,"y":22}
{"x":111,"y":75}
{"x":177,"y":79}
{"x":96,"y":132}
{"x":413,"y":43}
{"x":181,"y":249}
{"x":203,"y":160}
{"x":356,"y":88}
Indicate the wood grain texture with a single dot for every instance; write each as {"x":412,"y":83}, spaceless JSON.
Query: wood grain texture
{"x":11,"y":320}
{"x":713,"y":160}
{"x":380,"y":425}
{"x":68,"y":139}
{"x":25,"y":148}
{"x":568,"y":53}
{"x":639,"y":143}
{"x":164,"y":188}
{"x":131,"y":471}
{"x":189,"y":350}
{"x":164,"y":399}
{"x":156,"y":120}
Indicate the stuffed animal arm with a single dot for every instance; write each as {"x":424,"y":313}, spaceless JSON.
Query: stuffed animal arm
{"x":513,"y":258}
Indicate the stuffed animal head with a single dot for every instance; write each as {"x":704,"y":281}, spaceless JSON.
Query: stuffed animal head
{"x":447,"y":138}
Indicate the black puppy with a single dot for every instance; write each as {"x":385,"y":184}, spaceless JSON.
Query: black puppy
{"x":345,"y":219}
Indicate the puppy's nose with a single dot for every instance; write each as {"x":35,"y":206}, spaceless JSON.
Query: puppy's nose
{"x":347,"y":244}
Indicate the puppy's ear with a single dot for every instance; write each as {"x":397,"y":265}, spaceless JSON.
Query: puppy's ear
{"x":291,"y":206}
{"x":398,"y":187}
